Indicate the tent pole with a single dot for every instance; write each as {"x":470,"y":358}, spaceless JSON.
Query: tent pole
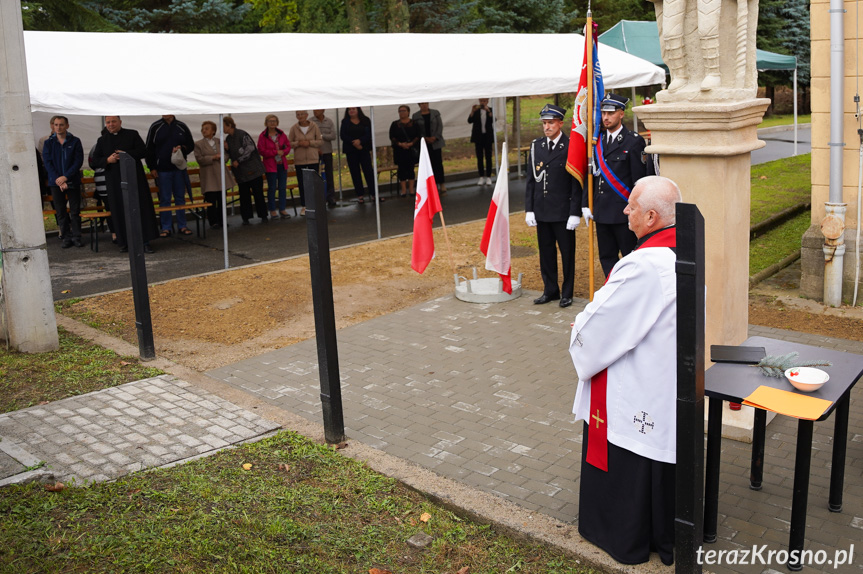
{"x":224,"y":191}
{"x":339,"y":156}
{"x":516,"y":119}
{"x":505,"y":137}
{"x":634,"y":118}
{"x":494,"y":133}
{"x":375,"y":171}
{"x":795,"y":110}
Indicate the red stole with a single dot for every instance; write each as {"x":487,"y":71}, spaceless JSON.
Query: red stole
{"x":597,"y":438}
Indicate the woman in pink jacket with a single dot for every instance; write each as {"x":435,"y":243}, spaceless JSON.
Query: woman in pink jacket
{"x":274,"y":147}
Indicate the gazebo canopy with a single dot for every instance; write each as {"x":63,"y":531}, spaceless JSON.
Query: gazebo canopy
{"x":146,"y":74}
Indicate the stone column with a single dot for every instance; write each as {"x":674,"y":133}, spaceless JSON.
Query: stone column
{"x":26,"y":282}
{"x":705,"y":148}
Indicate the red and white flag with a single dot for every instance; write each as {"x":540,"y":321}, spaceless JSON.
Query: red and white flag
{"x":427,"y":205}
{"x":495,"y":236}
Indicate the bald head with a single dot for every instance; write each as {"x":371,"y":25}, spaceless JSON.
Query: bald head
{"x":651,"y":204}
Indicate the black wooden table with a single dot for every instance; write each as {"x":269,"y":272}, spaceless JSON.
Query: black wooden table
{"x":733,"y":383}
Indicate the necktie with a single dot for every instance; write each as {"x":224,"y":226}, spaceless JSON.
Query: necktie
{"x":550,"y":145}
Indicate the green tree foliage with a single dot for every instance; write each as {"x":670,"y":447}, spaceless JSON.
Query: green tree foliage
{"x":524,"y":16}
{"x":64,"y":16}
{"x":607,"y":13}
{"x":445,"y":16}
{"x":180,"y":16}
{"x":273,"y":15}
{"x":322,"y":16}
{"x":783,"y":28}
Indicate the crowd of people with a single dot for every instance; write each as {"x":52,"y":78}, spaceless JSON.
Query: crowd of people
{"x":249,"y":161}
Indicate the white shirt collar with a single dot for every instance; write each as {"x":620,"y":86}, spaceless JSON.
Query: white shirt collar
{"x":617,"y":131}
{"x":557,"y":139}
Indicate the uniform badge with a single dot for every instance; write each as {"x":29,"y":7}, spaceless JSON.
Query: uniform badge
{"x":620,"y":137}
{"x":539,"y":166}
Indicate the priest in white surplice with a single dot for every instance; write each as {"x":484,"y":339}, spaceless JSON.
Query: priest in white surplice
{"x":623,"y":346}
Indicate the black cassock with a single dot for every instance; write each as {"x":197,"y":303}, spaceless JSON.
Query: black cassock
{"x":629,"y":510}
{"x":130,"y":142}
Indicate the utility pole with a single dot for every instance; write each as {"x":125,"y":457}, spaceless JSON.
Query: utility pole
{"x":26,"y":283}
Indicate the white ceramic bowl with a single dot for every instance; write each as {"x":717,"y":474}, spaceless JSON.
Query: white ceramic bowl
{"x":806,"y":379}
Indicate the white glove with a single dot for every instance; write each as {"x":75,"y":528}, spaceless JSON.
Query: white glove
{"x":572,"y":222}
{"x":530,"y":218}
{"x":586,"y":214}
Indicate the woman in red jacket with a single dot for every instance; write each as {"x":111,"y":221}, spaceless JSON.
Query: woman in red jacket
{"x":274,"y":147}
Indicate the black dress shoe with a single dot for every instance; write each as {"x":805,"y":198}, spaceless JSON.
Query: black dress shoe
{"x":124,"y":249}
{"x":67,"y":243}
{"x":148,"y":249}
{"x":543,"y":299}
{"x":565,"y":302}
{"x":77,"y":243}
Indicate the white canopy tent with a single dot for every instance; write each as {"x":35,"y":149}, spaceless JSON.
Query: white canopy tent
{"x":95,"y":74}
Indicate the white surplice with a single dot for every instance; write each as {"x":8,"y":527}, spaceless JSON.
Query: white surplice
{"x":630,"y":327}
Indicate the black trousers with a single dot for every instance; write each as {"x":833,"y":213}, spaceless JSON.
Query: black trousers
{"x":69,"y":221}
{"x":359,"y":164}
{"x":611,"y":239}
{"x":300,"y":185}
{"x":327,"y":159}
{"x":248,"y":189}
{"x":552,"y":236}
{"x":484,"y":149}
{"x":214,"y":212}
{"x":629,"y":510}
{"x":436,"y":157}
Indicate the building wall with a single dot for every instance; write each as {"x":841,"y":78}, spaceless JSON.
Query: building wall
{"x":813,"y":259}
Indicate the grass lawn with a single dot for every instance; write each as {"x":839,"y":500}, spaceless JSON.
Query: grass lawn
{"x":300,"y":507}
{"x":777,"y":185}
{"x":77,"y":368}
{"x":777,"y":244}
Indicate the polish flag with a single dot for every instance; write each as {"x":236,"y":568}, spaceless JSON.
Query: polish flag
{"x":495,"y":236}
{"x":427,"y":204}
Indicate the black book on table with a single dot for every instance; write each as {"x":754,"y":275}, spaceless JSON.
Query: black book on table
{"x":736,"y":354}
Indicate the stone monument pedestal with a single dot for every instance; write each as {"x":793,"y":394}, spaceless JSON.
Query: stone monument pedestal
{"x":705,"y":148}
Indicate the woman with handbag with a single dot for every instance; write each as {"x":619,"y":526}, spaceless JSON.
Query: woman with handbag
{"x":405,"y":136}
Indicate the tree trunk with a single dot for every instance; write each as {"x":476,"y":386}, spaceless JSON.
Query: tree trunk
{"x":398,"y":16}
{"x":358,"y":23}
{"x":770,"y":93}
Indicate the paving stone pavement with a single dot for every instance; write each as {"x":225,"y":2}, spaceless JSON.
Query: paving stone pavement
{"x":109,"y":433}
{"x":482,"y":393}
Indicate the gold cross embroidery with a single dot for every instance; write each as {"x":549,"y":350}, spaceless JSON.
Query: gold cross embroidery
{"x":598,"y":420}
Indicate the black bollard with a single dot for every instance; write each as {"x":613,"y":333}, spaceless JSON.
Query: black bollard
{"x":137,"y":267}
{"x":689,"y":472}
{"x":325,"y":315}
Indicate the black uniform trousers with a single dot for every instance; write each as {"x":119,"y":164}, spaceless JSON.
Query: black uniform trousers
{"x":547,"y":235}
{"x":68,"y":222}
{"x":629,"y":510}
{"x":611,"y":239}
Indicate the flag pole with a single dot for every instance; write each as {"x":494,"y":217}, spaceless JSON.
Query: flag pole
{"x":446,"y":238}
{"x":590,"y":95}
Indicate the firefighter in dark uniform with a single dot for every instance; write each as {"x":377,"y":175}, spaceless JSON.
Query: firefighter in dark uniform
{"x":552,"y":203}
{"x":618,"y":164}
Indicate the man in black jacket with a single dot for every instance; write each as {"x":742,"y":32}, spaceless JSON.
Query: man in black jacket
{"x":552,"y":203}
{"x":619,"y":164}
{"x":166,"y":137}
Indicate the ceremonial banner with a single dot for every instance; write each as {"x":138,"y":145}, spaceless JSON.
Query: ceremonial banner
{"x":576,"y":159}
{"x":495,"y":236}
{"x":427,"y":205}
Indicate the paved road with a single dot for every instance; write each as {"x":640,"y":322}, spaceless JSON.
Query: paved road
{"x":780,"y":143}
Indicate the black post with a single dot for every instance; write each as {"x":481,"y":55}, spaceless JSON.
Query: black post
{"x":137,"y":267}
{"x":689,"y":510}
{"x":840,"y":441}
{"x":325,"y":315}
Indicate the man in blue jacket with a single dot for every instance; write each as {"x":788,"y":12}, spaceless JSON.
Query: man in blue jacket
{"x":63,"y":156}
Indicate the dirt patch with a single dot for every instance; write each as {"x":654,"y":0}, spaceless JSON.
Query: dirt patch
{"x":215,"y":320}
